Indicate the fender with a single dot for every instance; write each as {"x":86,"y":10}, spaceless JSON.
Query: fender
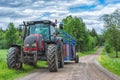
{"x":16,"y":45}
{"x":58,"y":40}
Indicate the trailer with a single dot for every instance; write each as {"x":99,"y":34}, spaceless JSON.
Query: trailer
{"x":69,"y":44}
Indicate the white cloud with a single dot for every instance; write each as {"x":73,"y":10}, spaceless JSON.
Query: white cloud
{"x":92,"y":18}
{"x":56,"y":9}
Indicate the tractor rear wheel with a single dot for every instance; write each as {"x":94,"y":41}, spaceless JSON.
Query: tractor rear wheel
{"x":13,"y":58}
{"x":52,"y":58}
{"x":77,"y":59}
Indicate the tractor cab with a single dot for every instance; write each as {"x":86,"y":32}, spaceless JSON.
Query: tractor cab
{"x":37,"y":34}
{"x":42,"y":29}
{"x":45,"y":28}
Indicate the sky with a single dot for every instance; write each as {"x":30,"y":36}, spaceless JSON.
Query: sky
{"x":90,"y":11}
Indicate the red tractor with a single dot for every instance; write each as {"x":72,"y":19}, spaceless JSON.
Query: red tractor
{"x":40,"y":43}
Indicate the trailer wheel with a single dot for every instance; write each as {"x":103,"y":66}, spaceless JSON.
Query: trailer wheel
{"x":77,"y":59}
{"x":13,"y":58}
{"x":52,"y":58}
{"x":61,"y":63}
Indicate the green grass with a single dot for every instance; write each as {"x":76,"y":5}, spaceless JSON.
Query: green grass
{"x":87,"y":52}
{"x":110,"y":63}
{"x":8,"y":74}
{"x":113,"y":54}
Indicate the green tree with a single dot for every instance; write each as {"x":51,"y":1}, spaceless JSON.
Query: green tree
{"x":77,"y":28}
{"x":94,"y":34}
{"x":2,"y":39}
{"x":10,"y":35}
{"x":112,"y":30}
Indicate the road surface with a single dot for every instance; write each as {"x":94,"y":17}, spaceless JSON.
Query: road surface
{"x":87,"y":69}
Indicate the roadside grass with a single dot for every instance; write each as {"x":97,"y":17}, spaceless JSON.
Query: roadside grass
{"x":11,"y":74}
{"x":110,"y":62}
{"x":113,"y":54}
{"x":87,"y":52}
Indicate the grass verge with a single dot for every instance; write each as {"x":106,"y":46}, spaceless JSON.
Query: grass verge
{"x":87,"y":52}
{"x":11,"y":74}
{"x":111,"y":64}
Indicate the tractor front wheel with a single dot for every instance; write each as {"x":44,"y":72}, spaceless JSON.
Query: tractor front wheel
{"x":52,"y":58}
{"x":13,"y":58}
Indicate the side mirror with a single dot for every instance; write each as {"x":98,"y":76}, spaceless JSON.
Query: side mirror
{"x":20,"y":30}
{"x":61,"y":26}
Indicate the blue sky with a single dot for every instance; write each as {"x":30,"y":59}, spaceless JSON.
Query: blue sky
{"x":89,"y":10}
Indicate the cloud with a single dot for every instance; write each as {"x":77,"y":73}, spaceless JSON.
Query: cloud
{"x":92,"y":17}
{"x":90,"y":10}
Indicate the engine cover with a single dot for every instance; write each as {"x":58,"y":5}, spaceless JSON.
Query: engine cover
{"x":33,"y":42}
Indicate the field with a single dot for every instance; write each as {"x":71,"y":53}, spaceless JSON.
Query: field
{"x":7,"y":74}
{"x":109,"y":62}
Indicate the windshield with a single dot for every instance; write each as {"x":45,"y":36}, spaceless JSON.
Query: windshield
{"x":40,"y":29}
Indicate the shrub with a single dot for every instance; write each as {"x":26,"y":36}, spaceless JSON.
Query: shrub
{"x":108,"y":48}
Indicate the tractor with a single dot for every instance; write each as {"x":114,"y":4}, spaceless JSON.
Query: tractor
{"x":40,"y":43}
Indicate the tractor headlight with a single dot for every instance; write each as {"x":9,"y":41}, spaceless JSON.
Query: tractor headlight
{"x":34,"y":45}
{"x":27,"y":45}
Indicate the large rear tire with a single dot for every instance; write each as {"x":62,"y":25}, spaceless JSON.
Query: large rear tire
{"x":13,"y":58}
{"x":52,"y":58}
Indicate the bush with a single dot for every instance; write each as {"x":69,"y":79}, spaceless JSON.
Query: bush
{"x":108,"y":48}
{"x":3,"y":44}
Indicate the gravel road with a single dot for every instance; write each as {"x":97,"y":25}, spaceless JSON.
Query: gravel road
{"x":87,"y":69}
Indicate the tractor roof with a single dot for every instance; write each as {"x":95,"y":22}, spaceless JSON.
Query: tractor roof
{"x":37,"y":22}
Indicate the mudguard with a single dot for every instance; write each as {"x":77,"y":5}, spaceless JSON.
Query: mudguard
{"x":16,"y":45}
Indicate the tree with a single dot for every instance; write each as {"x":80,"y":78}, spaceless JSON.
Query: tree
{"x":2,"y":39}
{"x":10,"y":35}
{"x":112,"y":30}
{"x":94,"y":34}
{"x":77,"y":28}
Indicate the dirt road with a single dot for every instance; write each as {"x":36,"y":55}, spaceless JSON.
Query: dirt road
{"x":87,"y":69}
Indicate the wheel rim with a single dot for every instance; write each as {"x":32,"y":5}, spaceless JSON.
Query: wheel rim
{"x":56,"y":57}
{"x":18,"y":63}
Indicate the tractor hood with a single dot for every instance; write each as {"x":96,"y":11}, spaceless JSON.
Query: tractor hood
{"x":34,"y":42}
{"x":30,"y":41}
